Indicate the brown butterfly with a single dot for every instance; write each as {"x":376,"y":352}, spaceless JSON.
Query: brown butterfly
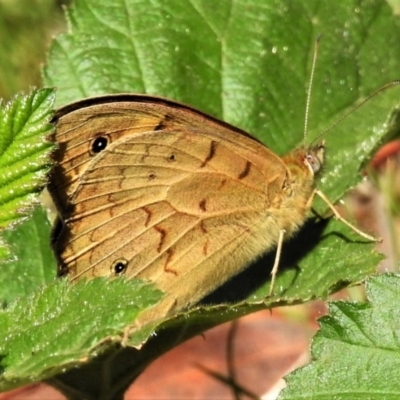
{"x":153,"y":189}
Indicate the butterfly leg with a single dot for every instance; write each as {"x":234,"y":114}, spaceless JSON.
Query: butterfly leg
{"x":340,"y":218}
{"x":277,"y":259}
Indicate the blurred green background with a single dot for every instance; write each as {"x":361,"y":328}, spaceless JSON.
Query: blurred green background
{"x":26,"y":30}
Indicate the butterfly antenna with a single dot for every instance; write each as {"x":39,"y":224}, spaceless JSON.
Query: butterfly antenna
{"x":368,"y":98}
{"x":314,"y":62}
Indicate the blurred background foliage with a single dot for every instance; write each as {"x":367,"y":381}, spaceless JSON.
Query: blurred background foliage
{"x":26,"y":29}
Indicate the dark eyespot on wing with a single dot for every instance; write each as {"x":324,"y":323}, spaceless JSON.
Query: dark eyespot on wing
{"x":99,"y":144}
{"x":119,"y":267}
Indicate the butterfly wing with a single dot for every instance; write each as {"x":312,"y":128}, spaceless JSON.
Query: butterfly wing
{"x":113,"y":117}
{"x":185,"y":207}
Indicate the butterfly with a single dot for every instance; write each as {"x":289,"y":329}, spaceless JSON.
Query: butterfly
{"x":149,"y":188}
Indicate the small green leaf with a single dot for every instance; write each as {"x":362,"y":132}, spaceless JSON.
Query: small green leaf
{"x":33,"y":263}
{"x":24,"y":152}
{"x":356,"y":353}
{"x":63,"y":325}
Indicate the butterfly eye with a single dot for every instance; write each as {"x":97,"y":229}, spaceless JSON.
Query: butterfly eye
{"x":172,"y":157}
{"x":98,"y":144}
{"x":313,"y":163}
{"x":119,"y":267}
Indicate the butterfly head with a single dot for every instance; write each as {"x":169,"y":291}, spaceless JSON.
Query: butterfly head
{"x":314,"y":157}
{"x":305,"y":162}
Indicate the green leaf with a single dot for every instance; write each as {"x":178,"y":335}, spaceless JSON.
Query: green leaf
{"x":33,"y":263}
{"x":24,"y":152}
{"x":64,"y":325}
{"x":308,"y":283}
{"x":356,"y":353}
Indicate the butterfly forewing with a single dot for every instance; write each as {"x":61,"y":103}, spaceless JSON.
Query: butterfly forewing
{"x":113,"y":117}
